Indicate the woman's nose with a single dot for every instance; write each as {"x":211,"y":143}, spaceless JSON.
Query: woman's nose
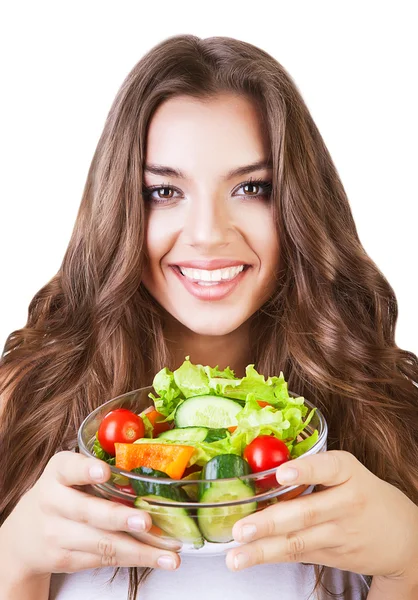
{"x":208,"y":223}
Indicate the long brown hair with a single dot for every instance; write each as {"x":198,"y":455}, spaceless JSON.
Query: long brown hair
{"x":93,"y":332}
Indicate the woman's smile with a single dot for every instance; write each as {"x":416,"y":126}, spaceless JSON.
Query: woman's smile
{"x":211,"y":285}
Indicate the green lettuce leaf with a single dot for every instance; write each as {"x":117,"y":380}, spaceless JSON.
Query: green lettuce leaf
{"x":272,"y":390}
{"x":254,"y":421}
{"x":169,"y":395}
{"x":192,"y":380}
{"x":147,"y":425}
{"x":100,"y":453}
{"x":215,"y":372}
{"x":302,"y":447}
{"x":282,"y":418}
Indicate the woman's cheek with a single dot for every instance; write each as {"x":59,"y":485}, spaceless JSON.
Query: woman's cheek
{"x":160,"y":234}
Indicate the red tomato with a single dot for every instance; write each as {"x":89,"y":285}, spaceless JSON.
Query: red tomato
{"x":120,"y":425}
{"x":266,"y":452}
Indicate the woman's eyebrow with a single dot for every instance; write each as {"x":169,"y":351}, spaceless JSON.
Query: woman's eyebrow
{"x":170,"y":172}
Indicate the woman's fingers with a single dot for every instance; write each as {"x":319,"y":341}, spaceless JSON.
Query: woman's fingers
{"x":72,"y":561}
{"x":293,"y":547}
{"x":113,"y":549}
{"x":294,"y":515}
{"x":331,"y":468}
{"x":100,"y":513}
{"x":70,"y":468}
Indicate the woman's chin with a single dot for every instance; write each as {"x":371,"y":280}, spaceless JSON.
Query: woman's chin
{"x":214,"y":325}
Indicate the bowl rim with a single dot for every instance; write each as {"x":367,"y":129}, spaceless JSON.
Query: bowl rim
{"x":179,"y":482}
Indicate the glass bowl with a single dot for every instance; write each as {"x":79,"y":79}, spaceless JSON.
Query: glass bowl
{"x":192,"y":527}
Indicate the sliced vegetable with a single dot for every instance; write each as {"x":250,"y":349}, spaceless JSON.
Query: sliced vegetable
{"x":216,"y":434}
{"x":194,"y":434}
{"x":170,"y":458}
{"x":145,"y":488}
{"x":216,"y":523}
{"x":185,"y":434}
{"x":173,"y":520}
{"x":207,"y":411}
{"x":157,"y":421}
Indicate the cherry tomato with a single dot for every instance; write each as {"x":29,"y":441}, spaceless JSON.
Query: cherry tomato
{"x":120,"y":425}
{"x":266,"y":452}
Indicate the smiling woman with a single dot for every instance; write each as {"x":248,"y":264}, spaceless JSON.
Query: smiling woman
{"x":245,"y":252}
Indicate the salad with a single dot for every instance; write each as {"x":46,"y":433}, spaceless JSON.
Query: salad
{"x":205,"y":425}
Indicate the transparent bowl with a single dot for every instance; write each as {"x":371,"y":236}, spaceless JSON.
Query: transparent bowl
{"x":178,"y":525}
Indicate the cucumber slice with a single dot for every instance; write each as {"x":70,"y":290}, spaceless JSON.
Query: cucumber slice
{"x":207,"y":411}
{"x":214,"y":435}
{"x":145,"y":488}
{"x":194,"y":434}
{"x":185,"y":434}
{"x":216,"y":523}
{"x":173,"y":520}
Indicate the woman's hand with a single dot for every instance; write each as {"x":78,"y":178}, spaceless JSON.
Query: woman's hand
{"x":55,"y":528}
{"x":357,"y":522}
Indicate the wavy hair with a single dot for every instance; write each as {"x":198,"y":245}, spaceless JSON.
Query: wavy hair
{"x":93,"y":332}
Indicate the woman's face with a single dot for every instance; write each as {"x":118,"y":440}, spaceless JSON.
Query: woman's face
{"x":212,"y":246}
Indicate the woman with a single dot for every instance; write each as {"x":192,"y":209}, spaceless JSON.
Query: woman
{"x":177,"y":249}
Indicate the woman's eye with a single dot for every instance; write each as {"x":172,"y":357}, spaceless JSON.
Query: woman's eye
{"x":159,"y":194}
{"x":255,"y":188}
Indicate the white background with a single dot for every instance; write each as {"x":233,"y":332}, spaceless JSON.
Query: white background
{"x":355,"y":63}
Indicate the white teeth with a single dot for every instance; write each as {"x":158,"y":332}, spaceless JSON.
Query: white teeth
{"x":215,"y":276}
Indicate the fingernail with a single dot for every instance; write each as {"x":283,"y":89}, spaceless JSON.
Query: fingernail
{"x":96,"y":472}
{"x":137,"y":523}
{"x":247,"y":532}
{"x":287,"y":475}
{"x":166,"y":562}
{"x":240,"y":560}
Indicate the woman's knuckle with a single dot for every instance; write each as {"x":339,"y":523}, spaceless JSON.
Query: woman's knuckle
{"x":109,"y":560}
{"x":295,"y":546}
{"x":308,"y":516}
{"x":258,"y":557}
{"x":271,"y":526}
{"x":106,"y":547}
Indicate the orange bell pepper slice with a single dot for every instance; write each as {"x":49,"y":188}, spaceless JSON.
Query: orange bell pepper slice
{"x":169,"y":458}
{"x":155,"y":417}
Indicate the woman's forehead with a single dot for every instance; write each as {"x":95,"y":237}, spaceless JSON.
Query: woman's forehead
{"x":221,"y":134}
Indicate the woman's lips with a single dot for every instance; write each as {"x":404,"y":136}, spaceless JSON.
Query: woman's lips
{"x":213,"y":291}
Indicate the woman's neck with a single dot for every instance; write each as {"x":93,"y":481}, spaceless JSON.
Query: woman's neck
{"x":230,"y":350}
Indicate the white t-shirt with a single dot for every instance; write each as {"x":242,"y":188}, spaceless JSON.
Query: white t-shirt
{"x":206,"y":578}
